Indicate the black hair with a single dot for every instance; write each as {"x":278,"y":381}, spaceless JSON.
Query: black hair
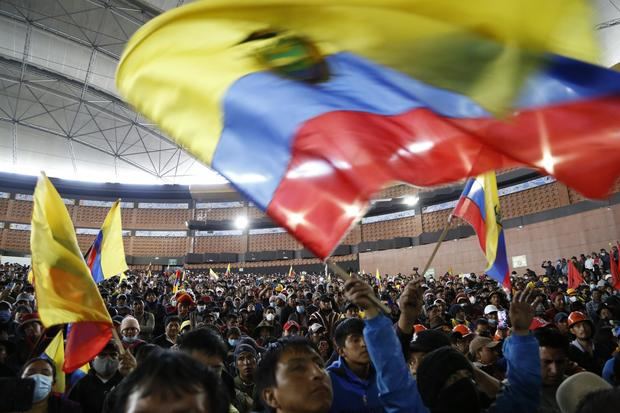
{"x":45,"y":359}
{"x":552,"y":338}
{"x":172,"y":319}
{"x":203,"y":340}
{"x":346,"y":328}
{"x":145,"y":350}
{"x":171,"y":374}
{"x":265,"y":374}
{"x":602,"y":401}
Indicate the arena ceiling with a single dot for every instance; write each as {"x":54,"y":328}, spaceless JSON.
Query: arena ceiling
{"x":60,"y":111}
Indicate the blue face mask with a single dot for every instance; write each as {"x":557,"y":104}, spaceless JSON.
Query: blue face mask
{"x":130,"y":339}
{"x":42,"y":387}
{"x":5,"y":316}
{"x":233,"y":342}
{"x":300,"y":309}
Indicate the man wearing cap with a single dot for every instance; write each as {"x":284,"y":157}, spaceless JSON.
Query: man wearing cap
{"x":245,"y":365}
{"x":291,"y":328}
{"x":184,"y":303}
{"x":460,"y":338}
{"x":483,"y":352}
{"x":490,"y":313}
{"x":121,"y":305}
{"x":558,"y":305}
{"x":582,"y":350}
{"x":29,"y":330}
{"x":326,"y":316}
{"x":424,"y":342}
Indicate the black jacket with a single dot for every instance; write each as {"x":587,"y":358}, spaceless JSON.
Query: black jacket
{"x":91,"y":391}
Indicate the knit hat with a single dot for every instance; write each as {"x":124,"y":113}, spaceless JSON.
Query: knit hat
{"x":576,"y":388}
{"x":435,"y":369}
{"x":130,"y":322}
{"x":244,"y":348}
{"x":290,"y":324}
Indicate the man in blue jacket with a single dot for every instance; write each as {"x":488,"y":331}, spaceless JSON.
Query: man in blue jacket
{"x":445,"y":378}
{"x":353,"y":377}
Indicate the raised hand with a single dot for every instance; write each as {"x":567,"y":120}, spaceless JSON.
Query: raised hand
{"x":522,"y":312}
{"x":410,"y":303}
{"x":357,"y":291}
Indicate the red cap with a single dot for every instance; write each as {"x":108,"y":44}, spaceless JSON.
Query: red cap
{"x":537,"y":323}
{"x":461,"y":328}
{"x":291,"y":323}
{"x":30,"y":318}
{"x":185,"y":299}
{"x":418,"y":327}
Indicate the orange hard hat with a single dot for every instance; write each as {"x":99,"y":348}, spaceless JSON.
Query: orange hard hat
{"x":461,"y":328}
{"x":418,"y":327}
{"x":576,"y":317}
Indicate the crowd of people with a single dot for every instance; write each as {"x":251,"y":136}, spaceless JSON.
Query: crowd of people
{"x":315,"y":343}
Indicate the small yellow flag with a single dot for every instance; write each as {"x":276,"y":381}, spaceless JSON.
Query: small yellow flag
{"x":56,"y":352}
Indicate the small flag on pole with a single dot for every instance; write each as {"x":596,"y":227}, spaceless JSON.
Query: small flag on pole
{"x":213,"y":275}
{"x":56,"y":352}
{"x":479,"y":206}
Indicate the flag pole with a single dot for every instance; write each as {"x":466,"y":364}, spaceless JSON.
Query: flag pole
{"x":340,"y":272}
{"x":439,"y":241}
{"x":117,"y":339}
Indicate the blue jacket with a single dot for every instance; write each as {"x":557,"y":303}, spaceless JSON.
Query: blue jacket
{"x":398,"y":390}
{"x":351,"y":393}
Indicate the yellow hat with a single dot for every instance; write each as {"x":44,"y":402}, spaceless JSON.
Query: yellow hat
{"x":546,"y":279}
{"x":184,"y":324}
{"x":279,"y":287}
{"x":531,"y":285}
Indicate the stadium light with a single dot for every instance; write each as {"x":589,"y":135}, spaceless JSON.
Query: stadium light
{"x":410,"y":200}
{"x":241,"y":222}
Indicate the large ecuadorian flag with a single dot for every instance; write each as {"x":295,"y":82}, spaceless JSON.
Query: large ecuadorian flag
{"x":308,"y":107}
{"x":479,"y":206}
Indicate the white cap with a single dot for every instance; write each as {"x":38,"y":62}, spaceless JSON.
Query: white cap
{"x":575,"y":388}
{"x":490,"y":309}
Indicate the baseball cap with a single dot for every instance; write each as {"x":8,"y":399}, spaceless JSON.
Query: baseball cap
{"x":428,"y":340}
{"x":480,"y":342}
{"x":559,"y":317}
{"x":490,"y":309}
{"x":576,"y":388}
{"x":290,"y":324}
{"x":315,"y":328}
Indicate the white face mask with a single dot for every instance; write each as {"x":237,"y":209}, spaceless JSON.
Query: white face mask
{"x":201,"y":308}
{"x":270,"y":317}
{"x":472,"y":300}
{"x":105,"y":366}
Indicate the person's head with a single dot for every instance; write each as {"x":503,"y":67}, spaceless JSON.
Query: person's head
{"x":573,"y":394}
{"x":170,"y":381}
{"x":138,"y":307}
{"x":291,"y":377}
{"x":600,"y":401}
{"x":291,"y":328}
{"x":445,"y":382}
{"x":130,"y":329}
{"x":553,"y":350}
{"x":482,"y":328}
{"x":496,"y":299}
{"x":31,"y":326}
{"x":558,"y":301}
{"x":351,"y":311}
{"x":206,"y":346}
{"x":316,"y":332}
{"x":325,"y":303}
{"x":233,"y":335}
{"x":490,"y":313}
{"x":150,"y":296}
{"x":580,"y":326}
{"x":460,"y":338}
{"x":561,"y":322}
{"x":121,"y":300}
{"x":269,"y":314}
{"x":183,"y":308}
{"x":43,"y":371}
{"x":350,"y":344}
{"x":105,"y":364}
{"x":245,"y":362}
{"x":484,"y":350}
{"x":596,"y":295}
{"x":424,"y":342}
{"x":173,"y":326}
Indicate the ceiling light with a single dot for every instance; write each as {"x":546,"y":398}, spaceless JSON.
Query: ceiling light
{"x":241,"y":222}
{"x":411,"y":200}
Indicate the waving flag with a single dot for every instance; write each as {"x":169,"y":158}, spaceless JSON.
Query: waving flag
{"x":227,"y":270}
{"x":479,"y":206}
{"x":55,"y":351}
{"x":309,"y":107}
{"x":65,"y":290}
{"x":575,"y":279}
{"x":106,"y":256}
{"x":213,"y":275}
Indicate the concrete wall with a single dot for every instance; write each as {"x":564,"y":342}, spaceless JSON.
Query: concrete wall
{"x":562,"y":237}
